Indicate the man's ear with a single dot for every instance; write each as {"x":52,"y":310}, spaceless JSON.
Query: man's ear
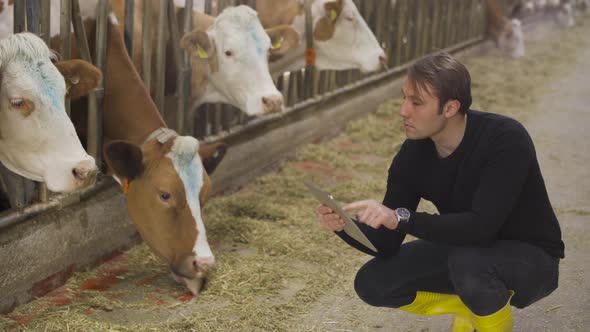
{"x":211,"y":155}
{"x":124,"y":159}
{"x":451,"y":108}
{"x":326,"y":26}
{"x":282,"y":39}
{"x":81,"y":77}
{"x":201,"y":47}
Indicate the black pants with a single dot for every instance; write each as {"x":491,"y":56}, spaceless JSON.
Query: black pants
{"x":481,"y":277}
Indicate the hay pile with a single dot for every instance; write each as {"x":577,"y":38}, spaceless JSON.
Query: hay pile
{"x":274,"y":261}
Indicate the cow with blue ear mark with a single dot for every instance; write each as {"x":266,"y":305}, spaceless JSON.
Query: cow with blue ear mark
{"x":37,"y":138}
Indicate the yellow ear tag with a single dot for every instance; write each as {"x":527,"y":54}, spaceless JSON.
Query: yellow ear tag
{"x":277,"y":44}
{"x":333,"y":15}
{"x":125,"y":186}
{"x":202,"y":53}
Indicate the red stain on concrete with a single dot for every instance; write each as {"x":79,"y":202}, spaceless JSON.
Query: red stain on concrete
{"x":183,"y":297}
{"x":52,"y":282}
{"x":20,"y":320}
{"x":107,"y":274}
{"x":347,"y":145}
{"x":147,"y":281}
{"x":311,"y":167}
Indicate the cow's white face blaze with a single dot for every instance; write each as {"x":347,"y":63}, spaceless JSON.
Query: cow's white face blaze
{"x":351,"y":45}
{"x":37,"y":139}
{"x":238,"y":63}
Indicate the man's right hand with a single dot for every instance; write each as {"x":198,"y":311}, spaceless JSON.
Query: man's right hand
{"x":329,"y":219}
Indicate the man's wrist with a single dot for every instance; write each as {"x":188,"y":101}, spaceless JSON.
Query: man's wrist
{"x":403,"y":220}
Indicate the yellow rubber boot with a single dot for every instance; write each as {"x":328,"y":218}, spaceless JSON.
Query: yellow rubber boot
{"x":462,"y":324}
{"x":430,"y":304}
{"x":500,"y":321}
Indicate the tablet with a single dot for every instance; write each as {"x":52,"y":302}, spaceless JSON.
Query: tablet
{"x":350,"y":227}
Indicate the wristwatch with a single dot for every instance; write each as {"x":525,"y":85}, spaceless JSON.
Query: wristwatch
{"x":403,"y":218}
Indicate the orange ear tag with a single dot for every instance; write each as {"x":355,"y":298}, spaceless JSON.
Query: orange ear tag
{"x":125,"y":186}
{"x":309,"y":56}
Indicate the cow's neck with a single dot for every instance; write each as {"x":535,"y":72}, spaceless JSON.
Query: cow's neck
{"x":129,"y":112}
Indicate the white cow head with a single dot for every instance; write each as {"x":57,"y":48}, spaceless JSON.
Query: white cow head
{"x":235,"y":50}
{"x":37,"y":139}
{"x":564,"y":15}
{"x":342,"y":38}
{"x":511,"y":38}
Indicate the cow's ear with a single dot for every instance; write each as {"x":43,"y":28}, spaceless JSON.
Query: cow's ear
{"x":325,"y":27}
{"x":200,"y":47}
{"x":124,"y":159}
{"x":81,"y":77}
{"x":282,"y":39}
{"x":212,"y":155}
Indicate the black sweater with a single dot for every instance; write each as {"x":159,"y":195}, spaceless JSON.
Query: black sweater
{"x":490,"y":188}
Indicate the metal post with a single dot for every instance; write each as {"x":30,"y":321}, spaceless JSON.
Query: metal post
{"x":161,"y":55}
{"x":146,"y":45}
{"x":128,"y":34}
{"x":95,"y":125}
{"x":310,"y":53}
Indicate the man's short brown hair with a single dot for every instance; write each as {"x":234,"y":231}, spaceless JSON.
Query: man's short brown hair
{"x":446,"y":77}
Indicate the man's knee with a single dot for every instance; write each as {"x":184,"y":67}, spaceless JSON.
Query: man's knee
{"x":375,"y":293}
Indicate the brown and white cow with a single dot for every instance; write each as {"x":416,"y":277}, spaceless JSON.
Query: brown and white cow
{"x":229,"y":57}
{"x":342,"y":38}
{"x":505,"y":32}
{"x":37,"y":139}
{"x":164,"y":174}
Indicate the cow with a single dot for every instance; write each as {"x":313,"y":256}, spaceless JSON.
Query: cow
{"x":562,"y":12}
{"x":342,"y":39}
{"x":229,"y":57}
{"x":505,"y":32}
{"x":164,"y":175}
{"x":37,"y":139}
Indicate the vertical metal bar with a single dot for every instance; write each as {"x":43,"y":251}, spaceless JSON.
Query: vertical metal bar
{"x":146,"y":45}
{"x":80,"y":31}
{"x":128,"y":34}
{"x":45,"y":21}
{"x":183,"y":67}
{"x":19,"y":23}
{"x":185,"y":86}
{"x":95,"y":123}
{"x":291,"y":89}
{"x":32,"y":9}
{"x":161,"y":56}
{"x":208,"y":7}
{"x":65,"y":48}
{"x":309,"y":65}
{"x":33,"y":13}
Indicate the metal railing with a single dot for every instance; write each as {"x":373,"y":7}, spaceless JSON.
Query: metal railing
{"x":407,"y":30}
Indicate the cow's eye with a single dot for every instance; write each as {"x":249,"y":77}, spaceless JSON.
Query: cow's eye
{"x":164,"y":196}
{"x":17,"y":103}
{"x":229,"y":53}
{"x":349,"y":18}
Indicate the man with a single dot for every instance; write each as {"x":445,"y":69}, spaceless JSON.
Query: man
{"x":496,"y":242}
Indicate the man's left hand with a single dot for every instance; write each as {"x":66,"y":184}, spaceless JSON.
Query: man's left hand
{"x":373,"y":214}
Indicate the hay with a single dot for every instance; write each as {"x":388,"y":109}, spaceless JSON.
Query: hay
{"x":274,"y":261}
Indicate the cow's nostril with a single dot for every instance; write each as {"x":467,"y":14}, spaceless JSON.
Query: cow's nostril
{"x":79,"y":174}
{"x":265,"y":101}
{"x":382,"y":58}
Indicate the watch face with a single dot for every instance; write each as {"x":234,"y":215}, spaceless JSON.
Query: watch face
{"x":403,"y":213}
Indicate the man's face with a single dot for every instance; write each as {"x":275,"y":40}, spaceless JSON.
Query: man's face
{"x":420,"y":112}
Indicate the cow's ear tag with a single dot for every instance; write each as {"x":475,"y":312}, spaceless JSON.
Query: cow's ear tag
{"x":278,"y":43}
{"x":333,"y":15}
{"x":125,"y":186}
{"x":202,"y":53}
